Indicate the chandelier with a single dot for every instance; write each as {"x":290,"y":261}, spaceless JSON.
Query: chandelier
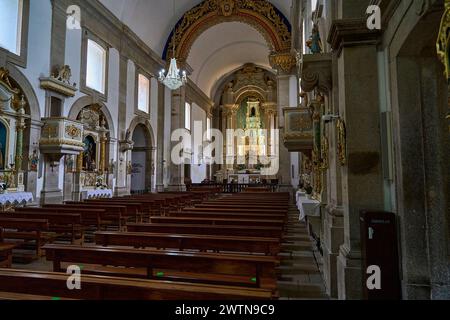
{"x":175,"y":78}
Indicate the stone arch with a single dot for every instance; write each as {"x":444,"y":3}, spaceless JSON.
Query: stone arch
{"x":143,"y":156}
{"x":86,"y":101}
{"x":28,"y":91}
{"x":244,"y":92}
{"x":262,"y":15}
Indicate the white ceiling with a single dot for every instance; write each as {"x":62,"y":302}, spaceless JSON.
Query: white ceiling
{"x":217,"y":51}
{"x":238,"y":44}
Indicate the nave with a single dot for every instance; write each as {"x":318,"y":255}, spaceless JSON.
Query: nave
{"x":119,"y":243}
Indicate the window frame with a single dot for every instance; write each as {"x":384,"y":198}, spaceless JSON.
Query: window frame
{"x":190,"y":115}
{"x":21,"y":58}
{"x":137,"y":111}
{"x":84,"y":88}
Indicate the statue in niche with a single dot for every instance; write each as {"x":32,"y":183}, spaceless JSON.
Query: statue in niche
{"x":89,"y":154}
{"x":34,"y":161}
{"x":315,"y":43}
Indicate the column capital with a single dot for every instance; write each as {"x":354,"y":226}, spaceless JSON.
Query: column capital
{"x":230,"y":109}
{"x":317,"y":73}
{"x":351,"y":32}
{"x":283,"y":62}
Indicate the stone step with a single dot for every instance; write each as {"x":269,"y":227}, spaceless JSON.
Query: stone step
{"x":301,"y":290}
{"x":298,"y":269}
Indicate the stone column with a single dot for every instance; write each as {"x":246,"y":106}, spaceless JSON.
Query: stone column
{"x":160,"y":140}
{"x":362,"y":176}
{"x":20,"y":127}
{"x":176,"y":182}
{"x":270,"y":111}
{"x":121,"y":171}
{"x":230,"y":111}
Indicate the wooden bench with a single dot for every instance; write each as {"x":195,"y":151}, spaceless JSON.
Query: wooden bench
{"x":211,"y":220}
{"x":225,"y":215}
{"x":90,"y":218}
{"x":268,"y":246}
{"x":63,"y":224}
{"x":114,"y":216}
{"x":225,"y":230}
{"x":5,"y":252}
{"x":50,"y":284}
{"x":222,"y":269}
{"x":22,"y":231}
{"x":135,"y":210}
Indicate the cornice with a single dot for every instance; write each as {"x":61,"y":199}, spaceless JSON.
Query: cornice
{"x":351,"y":32}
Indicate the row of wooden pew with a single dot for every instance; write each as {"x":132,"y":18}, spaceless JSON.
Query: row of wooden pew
{"x":230,"y":243}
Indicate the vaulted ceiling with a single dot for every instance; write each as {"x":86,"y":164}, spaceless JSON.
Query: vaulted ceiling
{"x":217,"y":51}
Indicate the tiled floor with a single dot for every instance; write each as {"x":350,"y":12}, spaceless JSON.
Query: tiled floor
{"x":299,"y":275}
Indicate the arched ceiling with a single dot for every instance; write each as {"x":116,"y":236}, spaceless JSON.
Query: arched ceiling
{"x":217,"y":51}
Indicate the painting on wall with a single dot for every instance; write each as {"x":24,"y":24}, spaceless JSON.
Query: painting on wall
{"x":3,"y":134}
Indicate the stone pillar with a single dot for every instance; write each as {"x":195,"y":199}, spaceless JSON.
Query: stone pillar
{"x":230,"y":111}
{"x":361,"y":176}
{"x":270,"y":111}
{"x":20,"y":127}
{"x":160,"y":140}
{"x":176,"y":182}
{"x":121,"y":171}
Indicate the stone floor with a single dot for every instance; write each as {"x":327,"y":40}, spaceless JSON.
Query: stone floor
{"x":299,"y":273}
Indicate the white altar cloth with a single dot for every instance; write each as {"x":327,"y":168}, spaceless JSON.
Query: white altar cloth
{"x":16,"y":198}
{"x":99,"y":193}
{"x":307,"y":207}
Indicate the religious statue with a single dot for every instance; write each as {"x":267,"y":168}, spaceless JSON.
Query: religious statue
{"x":129,"y":168}
{"x":34,"y":161}
{"x":2,"y":166}
{"x":315,"y":43}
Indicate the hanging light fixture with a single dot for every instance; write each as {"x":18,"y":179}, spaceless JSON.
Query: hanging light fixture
{"x":175,"y":78}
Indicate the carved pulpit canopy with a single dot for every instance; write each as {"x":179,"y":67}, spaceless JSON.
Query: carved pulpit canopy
{"x":92,"y":118}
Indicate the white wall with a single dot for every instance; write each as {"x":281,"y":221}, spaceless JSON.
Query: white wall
{"x":198,"y":172}
{"x":39,"y":43}
{"x":113,"y":87}
{"x":73,"y":59}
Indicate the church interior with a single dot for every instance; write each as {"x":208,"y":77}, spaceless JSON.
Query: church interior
{"x":224,"y":150}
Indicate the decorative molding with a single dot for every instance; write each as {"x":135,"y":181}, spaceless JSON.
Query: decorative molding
{"x":260,"y":14}
{"x":351,"y":32}
{"x":443,"y":42}
{"x":283,"y":61}
{"x":317,"y":73}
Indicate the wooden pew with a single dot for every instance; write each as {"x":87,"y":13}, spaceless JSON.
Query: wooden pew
{"x":114,"y":216}
{"x":211,"y":220}
{"x":5,"y":252}
{"x":63,"y":224}
{"x":225,"y":230}
{"x":220,"y":208}
{"x":225,"y":215}
{"x":22,"y":231}
{"x":90,"y":218}
{"x":222,"y":269}
{"x":268,"y":246}
{"x":135,"y":209}
{"x":94,"y":287}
